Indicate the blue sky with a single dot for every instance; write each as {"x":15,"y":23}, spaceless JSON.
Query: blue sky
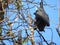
{"x":53,"y":15}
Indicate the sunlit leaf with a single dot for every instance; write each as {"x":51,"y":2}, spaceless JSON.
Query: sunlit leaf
{"x":10,"y":33}
{"x":9,"y":24}
{"x":25,"y":40}
{"x":0,"y":27}
{"x":0,"y":30}
{"x":18,"y":4}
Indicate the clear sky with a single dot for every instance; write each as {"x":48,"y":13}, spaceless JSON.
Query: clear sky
{"x":53,"y":15}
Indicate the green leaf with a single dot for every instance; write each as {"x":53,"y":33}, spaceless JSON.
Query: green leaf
{"x":0,"y":27}
{"x":7,"y":32}
{"x":0,"y":30}
{"x":18,"y":4}
{"x":12,"y":34}
{"x":25,"y":40}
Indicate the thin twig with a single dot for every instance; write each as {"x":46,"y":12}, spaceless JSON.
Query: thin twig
{"x":42,"y":37}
